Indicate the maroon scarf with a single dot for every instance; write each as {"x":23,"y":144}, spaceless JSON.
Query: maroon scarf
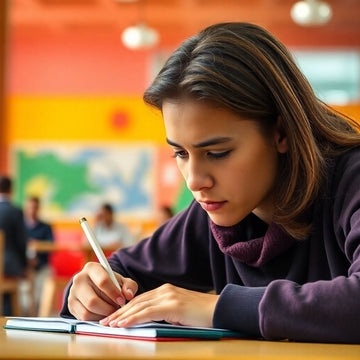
{"x":254,"y":252}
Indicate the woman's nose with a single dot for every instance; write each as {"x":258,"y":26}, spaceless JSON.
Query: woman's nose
{"x":198,"y":176}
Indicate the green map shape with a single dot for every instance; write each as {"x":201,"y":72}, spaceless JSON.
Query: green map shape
{"x":64,"y":180}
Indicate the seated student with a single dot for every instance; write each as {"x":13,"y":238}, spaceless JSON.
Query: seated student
{"x":275,"y":225}
{"x":12,"y":224}
{"x":108,"y":231}
{"x":38,"y":230}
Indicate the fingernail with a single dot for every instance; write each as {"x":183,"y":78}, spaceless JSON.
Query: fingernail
{"x":103,"y":321}
{"x":120,"y":301}
{"x":113,"y":323}
{"x":122,"y":322}
{"x":130,"y":292}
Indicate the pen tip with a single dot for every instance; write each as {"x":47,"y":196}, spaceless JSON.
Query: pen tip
{"x":82,"y":220}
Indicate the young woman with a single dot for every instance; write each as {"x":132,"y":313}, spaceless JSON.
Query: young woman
{"x":274,"y":228}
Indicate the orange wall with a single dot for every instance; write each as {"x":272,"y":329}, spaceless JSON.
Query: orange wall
{"x":352,"y":111}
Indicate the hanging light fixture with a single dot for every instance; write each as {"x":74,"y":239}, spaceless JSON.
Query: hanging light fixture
{"x":311,"y":12}
{"x":140,"y":36}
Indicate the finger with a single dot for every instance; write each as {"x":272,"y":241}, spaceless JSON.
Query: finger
{"x":100,"y":279}
{"x":141,"y":313}
{"x":117,"y":314}
{"x":128,"y":307}
{"x":92,"y":299}
{"x":138,"y":304}
{"x":98,"y":302}
{"x":128,"y":286}
{"x":77,"y":309}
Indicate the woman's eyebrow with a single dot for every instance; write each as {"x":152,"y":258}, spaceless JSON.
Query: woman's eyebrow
{"x":209,"y":142}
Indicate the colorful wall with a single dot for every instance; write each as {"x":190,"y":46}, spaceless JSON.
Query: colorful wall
{"x":68,"y":96}
{"x":79,"y":99}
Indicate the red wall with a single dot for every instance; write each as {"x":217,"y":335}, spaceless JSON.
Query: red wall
{"x":55,"y":64}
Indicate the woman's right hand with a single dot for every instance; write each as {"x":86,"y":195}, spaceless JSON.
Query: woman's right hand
{"x":94,"y":296}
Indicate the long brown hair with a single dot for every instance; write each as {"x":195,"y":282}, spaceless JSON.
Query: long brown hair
{"x":242,"y":67}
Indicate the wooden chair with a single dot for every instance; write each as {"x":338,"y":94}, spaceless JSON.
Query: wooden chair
{"x":52,"y":287}
{"x":8,"y":285}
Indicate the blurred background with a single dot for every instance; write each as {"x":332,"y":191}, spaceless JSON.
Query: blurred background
{"x":73,"y":128}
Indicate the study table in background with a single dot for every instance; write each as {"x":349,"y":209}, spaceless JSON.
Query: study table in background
{"x":53,"y":284}
{"x":20,"y":344}
{"x":38,"y":246}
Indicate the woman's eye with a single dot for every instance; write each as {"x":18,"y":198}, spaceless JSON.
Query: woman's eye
{"x":219,"y":155}
{"x":180,"y":154}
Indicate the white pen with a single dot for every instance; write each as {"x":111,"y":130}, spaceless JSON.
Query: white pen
{"x":97,"y":249}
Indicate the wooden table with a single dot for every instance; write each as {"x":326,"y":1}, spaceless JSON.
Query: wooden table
{"x":18,"y":344}
{"x":38,"y":246}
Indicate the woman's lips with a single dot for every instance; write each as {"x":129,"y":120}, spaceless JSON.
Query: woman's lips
{"x":212,"y":205}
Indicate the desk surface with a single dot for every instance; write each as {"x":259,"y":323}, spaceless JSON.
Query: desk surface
{"x":18,"y":344}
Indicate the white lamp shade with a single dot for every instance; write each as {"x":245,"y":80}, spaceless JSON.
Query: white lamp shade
{"x":139,"y":37}
{"x":311,"y":12}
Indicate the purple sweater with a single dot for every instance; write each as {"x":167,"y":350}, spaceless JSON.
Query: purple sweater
{"x":304,"y":290}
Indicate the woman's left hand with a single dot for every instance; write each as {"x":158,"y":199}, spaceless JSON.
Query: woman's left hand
{"x":175,"y":305}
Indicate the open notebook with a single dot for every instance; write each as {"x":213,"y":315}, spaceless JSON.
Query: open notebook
{"x":147,"y":331}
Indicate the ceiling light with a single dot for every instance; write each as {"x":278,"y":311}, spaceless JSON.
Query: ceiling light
{"x":311,"y":12}
{"x":140,"y":37}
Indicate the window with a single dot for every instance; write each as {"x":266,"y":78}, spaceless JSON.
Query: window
{"x":334,"y":75}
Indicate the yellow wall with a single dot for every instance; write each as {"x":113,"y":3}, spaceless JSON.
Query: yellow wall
{"x":89,"y":119}
{"x":81,"y":118}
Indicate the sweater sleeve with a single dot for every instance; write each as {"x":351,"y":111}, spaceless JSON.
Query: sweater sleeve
{"x":177,"y":253}
{"x":242,"y":301}
{"x":324,"y":310}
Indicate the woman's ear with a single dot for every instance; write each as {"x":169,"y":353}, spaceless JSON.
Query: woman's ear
{"x":280,"y":137}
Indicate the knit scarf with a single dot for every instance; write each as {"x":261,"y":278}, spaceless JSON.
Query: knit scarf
{"x":254,"y":252}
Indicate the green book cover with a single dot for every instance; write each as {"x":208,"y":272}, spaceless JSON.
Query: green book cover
{"x":152,"y":330}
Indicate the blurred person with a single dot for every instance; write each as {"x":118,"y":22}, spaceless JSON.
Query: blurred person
{"x":38,"y":231}
{"x":161,"y":215}
{"x":108,"y":231}
{"x":12,"y":224}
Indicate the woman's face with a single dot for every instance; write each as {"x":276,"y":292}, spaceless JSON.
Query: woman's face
{"x":228,"y":164}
